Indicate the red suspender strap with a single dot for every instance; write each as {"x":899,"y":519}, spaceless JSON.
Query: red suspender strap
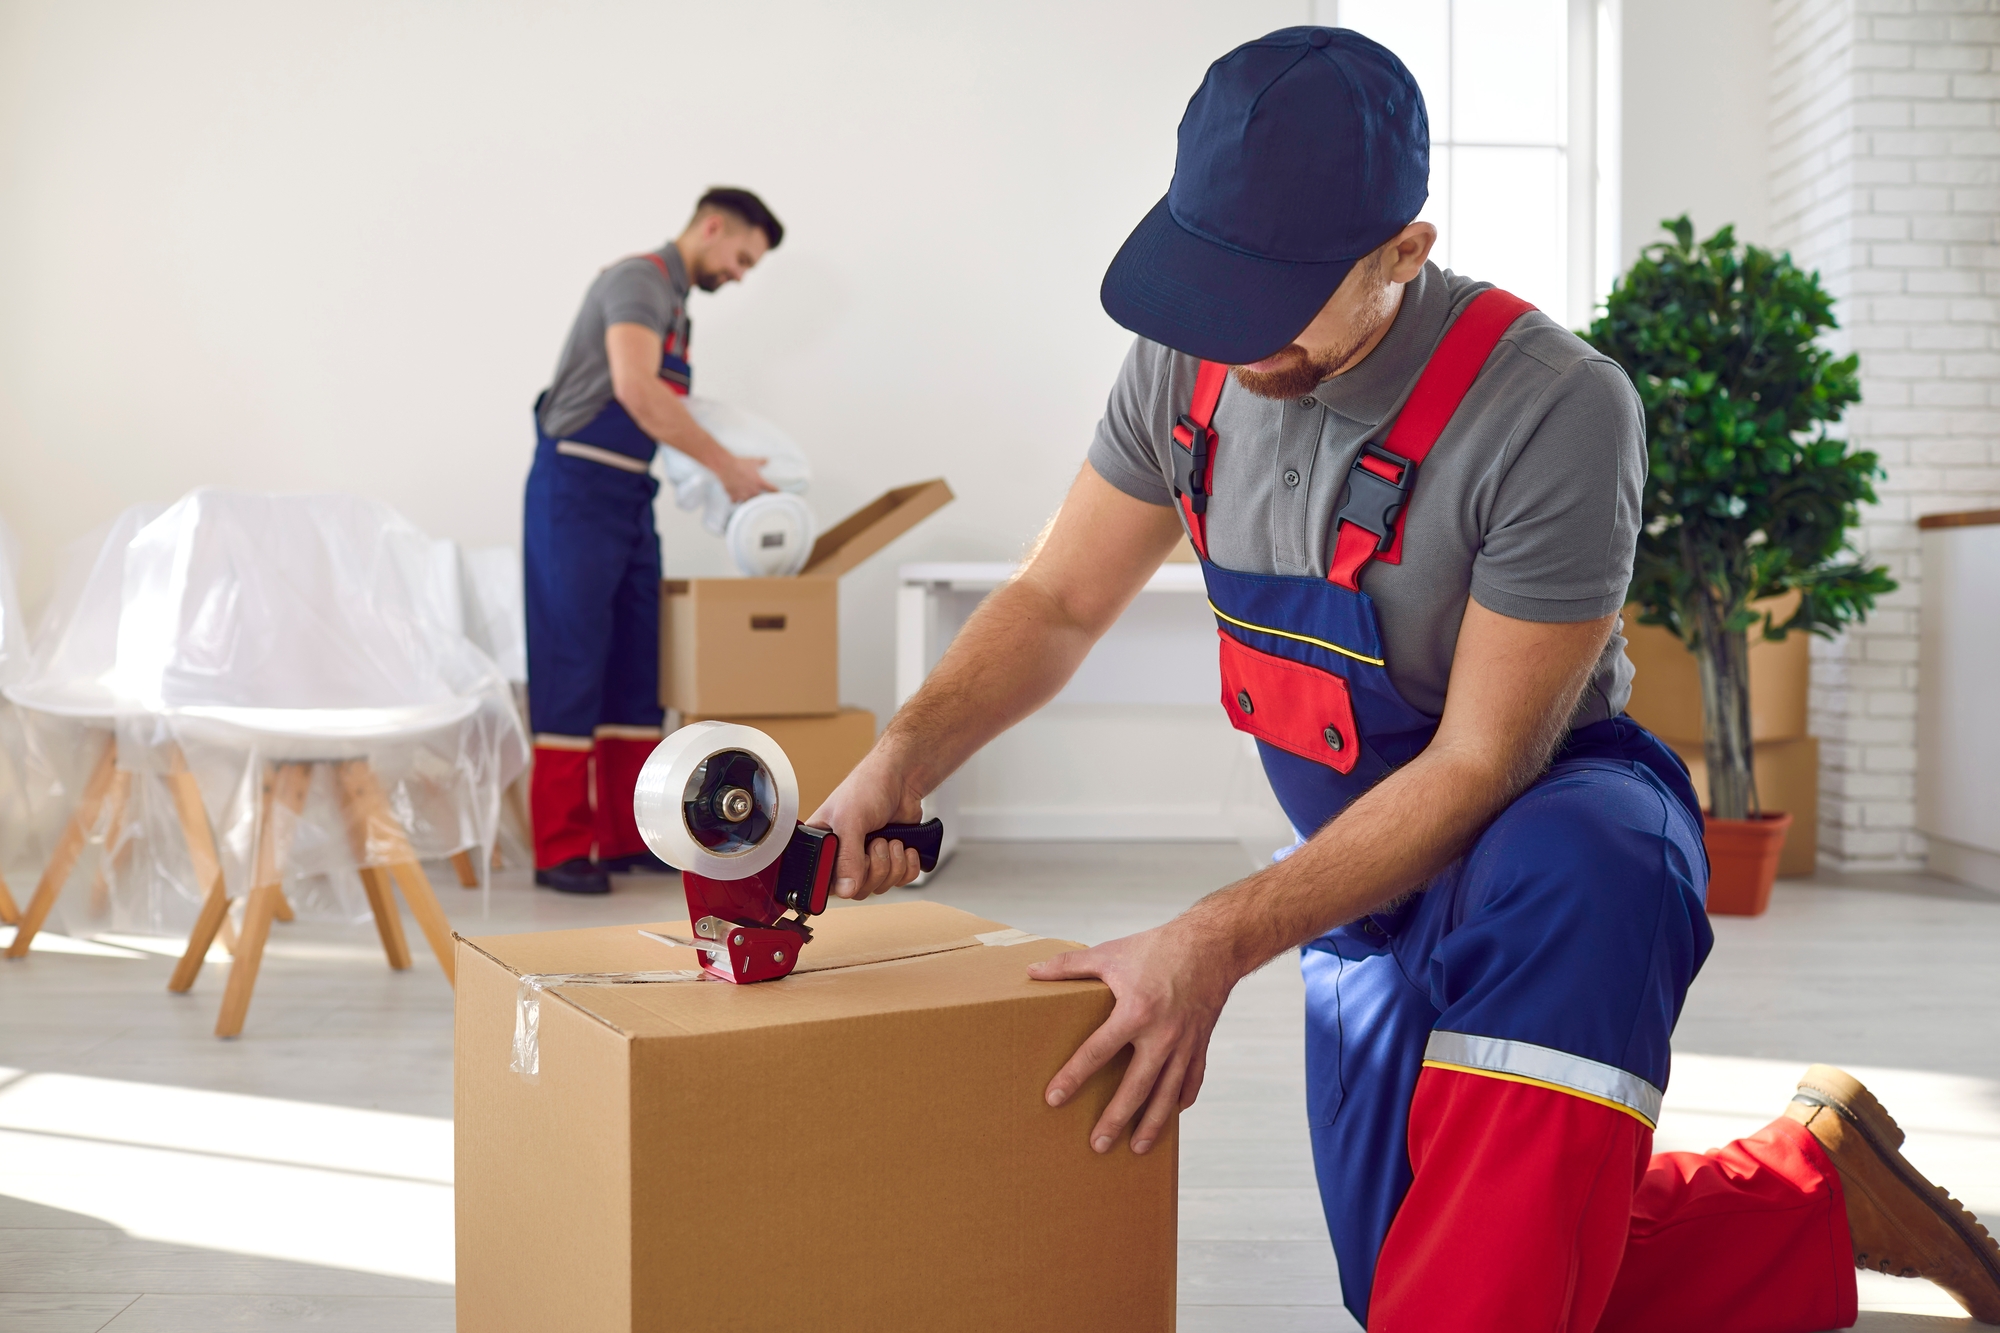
{"x":671,"y":343}
{"x":1194,"y":452}
{"x":1370,"y":522}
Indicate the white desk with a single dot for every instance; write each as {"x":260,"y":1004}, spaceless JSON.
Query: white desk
{"x":1133,"y":748}
{"x":1958,"y":716}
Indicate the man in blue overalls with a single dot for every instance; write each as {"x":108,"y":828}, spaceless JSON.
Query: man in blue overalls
{"x":1416,"y":502}
{"x":590,"y":555}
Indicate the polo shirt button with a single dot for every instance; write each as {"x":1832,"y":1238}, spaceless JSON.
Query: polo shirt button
{"x":1291,"y":476}
{"x":1309,"y":402}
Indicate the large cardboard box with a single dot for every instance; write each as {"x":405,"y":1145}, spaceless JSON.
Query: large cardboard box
{"x":771,"y":647}
{"x":1788,"y":780}
{"x":862,"y":1145}
{"x":823,"y":750}
{"x":1666,"y":691}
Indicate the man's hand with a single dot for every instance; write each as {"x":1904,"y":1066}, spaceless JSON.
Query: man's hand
{"x":874,"y":794}
{"x":740,"y":476}
{"x":1169,"y":986}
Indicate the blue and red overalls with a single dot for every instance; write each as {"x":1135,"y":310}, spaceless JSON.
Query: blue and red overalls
{"x":591,"y":564}
{"x":1485,"y":1060}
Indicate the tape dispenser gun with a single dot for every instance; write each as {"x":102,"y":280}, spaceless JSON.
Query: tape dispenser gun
{"x":719,"y":801}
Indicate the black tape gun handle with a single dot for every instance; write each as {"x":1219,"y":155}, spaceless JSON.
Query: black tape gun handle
{"x":927,"y":838}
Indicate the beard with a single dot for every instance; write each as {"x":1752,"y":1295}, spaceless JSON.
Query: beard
{"x":708,"y":282}
{"x":1298,"y":371}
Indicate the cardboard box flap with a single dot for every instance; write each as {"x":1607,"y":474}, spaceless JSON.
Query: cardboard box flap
{"x":849,"y":944}
{"x":873,"y":526}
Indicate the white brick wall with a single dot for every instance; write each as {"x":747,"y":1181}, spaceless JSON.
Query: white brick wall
{"x":1885,"y":176}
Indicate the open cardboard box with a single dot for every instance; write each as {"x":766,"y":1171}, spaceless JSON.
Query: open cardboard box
{"x":862,"y":1145}
{"x":771,"y":647}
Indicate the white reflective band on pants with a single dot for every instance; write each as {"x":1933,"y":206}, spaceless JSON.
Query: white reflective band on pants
{"x":1543,"y":1065}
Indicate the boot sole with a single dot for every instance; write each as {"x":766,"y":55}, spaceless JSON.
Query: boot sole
{"x":1844,"y":1095}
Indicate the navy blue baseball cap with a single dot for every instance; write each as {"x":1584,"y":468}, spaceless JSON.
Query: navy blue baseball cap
{"x":1300,"y":153}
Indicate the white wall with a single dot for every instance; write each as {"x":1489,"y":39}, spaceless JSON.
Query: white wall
{"x":1885,"y":156}
{"x":337,"y":247}
{"x":1697,"y":111}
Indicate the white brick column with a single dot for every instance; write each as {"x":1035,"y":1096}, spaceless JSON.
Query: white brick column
{"x":1885,"y":176}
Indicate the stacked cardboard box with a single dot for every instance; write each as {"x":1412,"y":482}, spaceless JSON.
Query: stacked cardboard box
{"x":863,"y":1145}
{"x":1666,"y":699}
{"x":766,"y":651}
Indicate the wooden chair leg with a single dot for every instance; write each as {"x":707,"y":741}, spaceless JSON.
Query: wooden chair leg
{"x":10,"y":913}
{"x":361,"y":787}
{"x":284,"y":909}
{"x":249,"y":956}
{"x":193,"y":817}
{"x":467,"y":868}
{"x":388,"y":917}
{"x":68,"y":848}
{"x":288,"y":794}
{"x":100,"y":882}
{"x":374,"y":880}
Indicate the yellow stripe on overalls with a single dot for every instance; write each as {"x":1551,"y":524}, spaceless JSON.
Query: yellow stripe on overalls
{"x":1298,"y":638}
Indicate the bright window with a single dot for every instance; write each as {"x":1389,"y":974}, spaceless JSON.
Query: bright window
{"x":1521,"y":191}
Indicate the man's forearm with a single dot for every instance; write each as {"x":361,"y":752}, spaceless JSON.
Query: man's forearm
{"x":1013,"y":655}
{"x":1387,"y":844}
{"x":660,"y":412}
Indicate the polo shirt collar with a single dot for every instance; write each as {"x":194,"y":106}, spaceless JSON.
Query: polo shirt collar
{"x":1370,"y":391}
{"x":670,"y":255}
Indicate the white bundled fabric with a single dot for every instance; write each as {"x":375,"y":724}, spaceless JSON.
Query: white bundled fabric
{"x":232,"y":633}
{"x":744,"y":434}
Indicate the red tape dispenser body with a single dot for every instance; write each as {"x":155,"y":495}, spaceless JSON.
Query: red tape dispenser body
{"x":719,"y":802}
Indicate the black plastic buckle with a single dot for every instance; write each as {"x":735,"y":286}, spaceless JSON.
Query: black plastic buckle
{"x":1373,"y":501}
{"x":1191,"y":462}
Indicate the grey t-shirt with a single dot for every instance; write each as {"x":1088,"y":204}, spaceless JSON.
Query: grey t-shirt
{"x":631,"y":291}
{"x":1529,"y":501}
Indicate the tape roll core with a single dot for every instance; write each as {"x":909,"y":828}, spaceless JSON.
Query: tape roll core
{"x":660,"y":795}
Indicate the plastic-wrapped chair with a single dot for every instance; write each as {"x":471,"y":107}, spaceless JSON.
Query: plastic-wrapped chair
{"x":14,"y":663}
{"x":264,"y":648}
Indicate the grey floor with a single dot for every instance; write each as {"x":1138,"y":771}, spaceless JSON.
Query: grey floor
{"x":153,"y":1178}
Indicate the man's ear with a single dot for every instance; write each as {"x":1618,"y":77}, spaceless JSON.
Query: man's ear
{"x":1406,"y":252}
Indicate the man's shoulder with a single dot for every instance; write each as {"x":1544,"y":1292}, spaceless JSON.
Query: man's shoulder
{"x":1541,"y":353}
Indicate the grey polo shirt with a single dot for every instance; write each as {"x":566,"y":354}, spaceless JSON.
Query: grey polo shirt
{"x":1528,"y":502}
{"x":631,"y":291}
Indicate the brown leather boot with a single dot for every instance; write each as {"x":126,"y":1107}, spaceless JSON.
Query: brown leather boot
{"x":1901,"y":1223}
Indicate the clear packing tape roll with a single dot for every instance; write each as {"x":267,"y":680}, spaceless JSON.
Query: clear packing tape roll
{"x":675,"y":773}
{"x":527,"y":1057}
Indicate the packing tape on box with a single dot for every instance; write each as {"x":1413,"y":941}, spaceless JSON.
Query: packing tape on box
{"x":527,"y":1061}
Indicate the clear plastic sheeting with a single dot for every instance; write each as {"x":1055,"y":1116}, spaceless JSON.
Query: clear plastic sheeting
{"x":266,"y":688}
{"x":20,"y":785}
{"x":14,"y":650}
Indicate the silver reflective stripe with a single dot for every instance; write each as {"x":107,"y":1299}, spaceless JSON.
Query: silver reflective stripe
{"x":1541,"y":1064}
{"x":618,"y":732}
{"x":608,"y":457}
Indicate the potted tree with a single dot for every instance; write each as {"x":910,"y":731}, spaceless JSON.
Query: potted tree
{"x":1747,"y":496}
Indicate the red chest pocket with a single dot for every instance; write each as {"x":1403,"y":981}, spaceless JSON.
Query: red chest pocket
{"x":1288,"y":704}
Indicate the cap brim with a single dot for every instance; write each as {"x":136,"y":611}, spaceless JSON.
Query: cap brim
{"x":1210,"y":301}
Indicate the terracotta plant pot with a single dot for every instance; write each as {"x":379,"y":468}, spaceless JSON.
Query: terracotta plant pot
{"x":1743,"y":862}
